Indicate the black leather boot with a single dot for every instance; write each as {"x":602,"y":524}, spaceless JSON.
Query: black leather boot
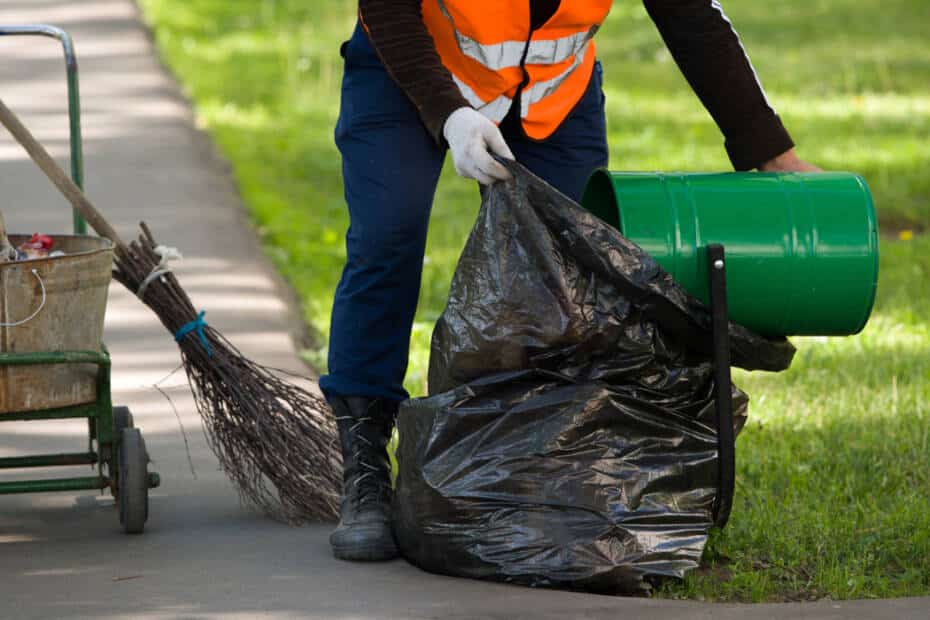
{"x":364,"y":532}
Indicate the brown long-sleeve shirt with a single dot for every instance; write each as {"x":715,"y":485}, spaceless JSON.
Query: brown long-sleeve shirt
{"x":697,"y":33}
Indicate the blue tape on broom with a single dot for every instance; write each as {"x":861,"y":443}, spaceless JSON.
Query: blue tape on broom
{"x":197,"y":326}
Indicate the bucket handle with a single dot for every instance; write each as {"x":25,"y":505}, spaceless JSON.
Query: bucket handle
{"x":35,"y":272}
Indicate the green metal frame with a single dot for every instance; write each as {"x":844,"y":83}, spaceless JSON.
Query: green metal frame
{"x":102,"y":441}
{"x":100,"y":428}
{"x":74,"y":101}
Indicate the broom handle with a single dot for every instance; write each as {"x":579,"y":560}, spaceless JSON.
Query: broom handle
{"x":57,"y":176}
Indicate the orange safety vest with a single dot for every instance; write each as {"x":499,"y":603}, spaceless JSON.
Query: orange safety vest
{"x":488,"y":47}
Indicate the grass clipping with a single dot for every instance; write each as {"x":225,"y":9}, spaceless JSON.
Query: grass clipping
{"x":275,"y":441}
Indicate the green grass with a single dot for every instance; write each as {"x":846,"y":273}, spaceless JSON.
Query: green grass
{"x":833,"y":468}
{"x":834,"y":464}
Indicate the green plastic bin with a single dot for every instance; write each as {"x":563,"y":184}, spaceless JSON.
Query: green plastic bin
{"x":802,"y":248}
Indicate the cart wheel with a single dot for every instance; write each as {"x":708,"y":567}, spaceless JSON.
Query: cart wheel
{"x":122,"y":418}
{"x":133,"y":481}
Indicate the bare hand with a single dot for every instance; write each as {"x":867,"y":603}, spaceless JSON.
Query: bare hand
{"x":788,"y":162}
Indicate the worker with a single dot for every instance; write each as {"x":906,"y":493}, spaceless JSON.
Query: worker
{"x":515,"y":78}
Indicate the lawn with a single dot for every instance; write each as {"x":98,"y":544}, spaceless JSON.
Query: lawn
{"x":833,"y":486}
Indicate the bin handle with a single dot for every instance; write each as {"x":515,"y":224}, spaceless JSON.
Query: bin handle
{"x":35,"y":272}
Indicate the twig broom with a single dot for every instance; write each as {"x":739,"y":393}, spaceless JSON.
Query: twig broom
{"x":274,"y":440}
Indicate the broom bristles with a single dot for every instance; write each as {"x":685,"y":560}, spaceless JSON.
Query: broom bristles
{"x":275,"y":441}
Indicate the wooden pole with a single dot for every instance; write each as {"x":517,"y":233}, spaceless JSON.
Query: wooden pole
{"x":58,"y":176}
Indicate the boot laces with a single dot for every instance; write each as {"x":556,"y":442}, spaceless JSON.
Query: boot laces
{"x":369,"y":488}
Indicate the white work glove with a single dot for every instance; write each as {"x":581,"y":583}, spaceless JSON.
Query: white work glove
{"x":471,"y":136}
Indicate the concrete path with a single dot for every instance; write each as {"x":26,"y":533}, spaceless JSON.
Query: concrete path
{"x":203,"y":555}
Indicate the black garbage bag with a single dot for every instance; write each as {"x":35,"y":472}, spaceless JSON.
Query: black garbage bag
{"x":569,"y":439}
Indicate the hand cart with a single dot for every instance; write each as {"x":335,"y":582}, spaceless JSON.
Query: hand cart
{"x":31,"y":375}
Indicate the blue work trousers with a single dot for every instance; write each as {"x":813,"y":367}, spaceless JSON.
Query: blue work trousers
{"x":390,"y":168}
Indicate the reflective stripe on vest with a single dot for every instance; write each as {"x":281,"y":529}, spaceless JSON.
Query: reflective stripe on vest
{"x":492,"y":53}
{"x":497,"y":109}
{"x":540,"y":90}
{"x":506,"y":54}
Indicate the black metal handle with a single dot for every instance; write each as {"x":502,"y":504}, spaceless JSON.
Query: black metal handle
{"x":726,"y":440}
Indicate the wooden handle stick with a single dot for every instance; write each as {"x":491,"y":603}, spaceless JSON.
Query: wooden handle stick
{"x":57,"y":176}
{"x":7,"y":251}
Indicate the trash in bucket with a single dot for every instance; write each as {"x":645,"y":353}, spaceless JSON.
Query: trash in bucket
{"x":53,"y":304}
